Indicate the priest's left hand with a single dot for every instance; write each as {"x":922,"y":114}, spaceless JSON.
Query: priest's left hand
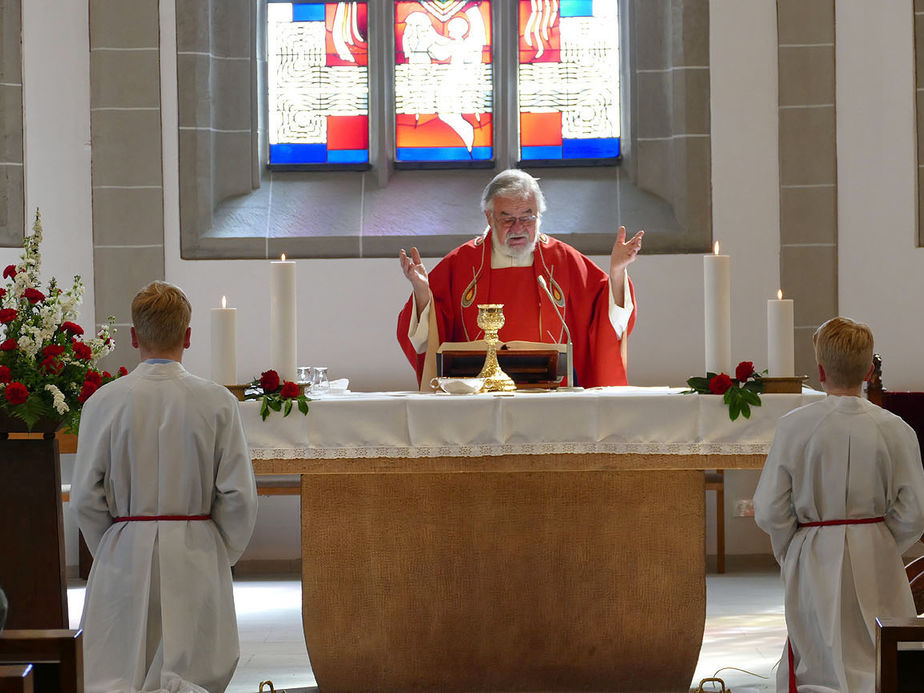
{"x":624,"y":252}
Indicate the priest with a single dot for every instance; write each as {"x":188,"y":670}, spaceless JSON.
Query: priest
{"x":504,"y":265}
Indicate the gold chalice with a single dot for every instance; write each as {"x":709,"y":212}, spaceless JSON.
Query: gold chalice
{"x":491,"y":319}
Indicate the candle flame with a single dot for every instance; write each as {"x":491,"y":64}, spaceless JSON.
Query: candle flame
{"x":715,"y":250}
{"x":224,"y":301}
{"x":283,"y":258}
{"x":779,"y":294}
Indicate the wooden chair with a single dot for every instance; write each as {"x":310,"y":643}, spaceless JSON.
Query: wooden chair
{"x":715,"y":481}
{"x":16,"y":678}
{"x":56,"y":656}
{"x":899,"y":671}
{"x":915,"y":572}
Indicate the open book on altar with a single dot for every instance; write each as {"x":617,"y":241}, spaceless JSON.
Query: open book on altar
{"x":530,"y":364}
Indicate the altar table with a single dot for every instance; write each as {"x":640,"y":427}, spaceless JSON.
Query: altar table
{"x":496,"y":542}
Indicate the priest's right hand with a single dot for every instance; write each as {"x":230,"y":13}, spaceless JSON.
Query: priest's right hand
{"x":416,"y":274}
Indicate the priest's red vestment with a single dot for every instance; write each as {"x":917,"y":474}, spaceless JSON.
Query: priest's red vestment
{"x":464,"y":279}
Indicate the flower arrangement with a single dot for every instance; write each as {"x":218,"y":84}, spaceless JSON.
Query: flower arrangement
{"x":740,"y":393}
{"x":47,"y":369}
{"x":277,"y":395}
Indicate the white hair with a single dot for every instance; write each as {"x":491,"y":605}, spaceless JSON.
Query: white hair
{"x":513,"y":183}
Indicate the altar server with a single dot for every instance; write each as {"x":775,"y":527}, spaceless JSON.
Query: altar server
{"x":164,"y":494}
{"x":503,"y":265}
{"x":842,"y":497}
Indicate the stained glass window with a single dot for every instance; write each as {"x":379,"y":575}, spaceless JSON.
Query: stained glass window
{"x":568,"y":80}
{"x":318,"y":83}
{"x":443,"y":84}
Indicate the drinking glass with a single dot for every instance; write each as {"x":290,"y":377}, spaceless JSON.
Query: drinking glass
{"x":320,"y":385}
{"x":303,"y":375}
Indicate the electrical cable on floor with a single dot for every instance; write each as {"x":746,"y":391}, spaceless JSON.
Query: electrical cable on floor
{"x":714,"y":679}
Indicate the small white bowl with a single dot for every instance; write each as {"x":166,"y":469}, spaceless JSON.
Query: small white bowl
{"x":458,"y":386}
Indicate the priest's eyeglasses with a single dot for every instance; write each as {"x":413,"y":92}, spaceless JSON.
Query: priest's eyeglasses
{"x":507,"y":222}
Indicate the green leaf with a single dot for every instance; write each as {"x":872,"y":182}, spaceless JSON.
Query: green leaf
{"x":699,"y":384}
{"x":730,"y":396}
{"x":750,"y":397}
{"x":745,"y":410}
{"x":303,"y":406}
{"x":754,"y":386}
{"x":288,"y":408}
{"x":734,"y":408}
{"x":264,"y":409}
{"x":274,"y":404}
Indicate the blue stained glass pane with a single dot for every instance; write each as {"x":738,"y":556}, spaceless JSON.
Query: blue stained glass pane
{"x":348,"y":156}
{"x":303,"y":12}
{"x":444,"y":154}
{"x":298,"y":153}
{"x":577,"y":8}
{"x":543,"y":153}
{"x":590,"y":149}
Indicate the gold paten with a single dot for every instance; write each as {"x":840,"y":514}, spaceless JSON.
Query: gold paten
{"x":491,"y":319}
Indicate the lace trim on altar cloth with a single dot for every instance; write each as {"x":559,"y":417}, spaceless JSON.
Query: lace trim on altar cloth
{"x":498,"y":450}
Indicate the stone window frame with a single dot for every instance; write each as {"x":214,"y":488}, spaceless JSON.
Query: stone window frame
{"x":12,"y":164}
{"x":330,"y":214}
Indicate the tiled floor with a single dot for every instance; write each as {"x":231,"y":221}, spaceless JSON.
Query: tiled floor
{"x":744,"y":629}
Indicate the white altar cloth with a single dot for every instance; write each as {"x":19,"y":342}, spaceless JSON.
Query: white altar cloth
{"x":612,"y":420}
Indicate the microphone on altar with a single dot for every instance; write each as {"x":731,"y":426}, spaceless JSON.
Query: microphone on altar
{"x":545,"y":287}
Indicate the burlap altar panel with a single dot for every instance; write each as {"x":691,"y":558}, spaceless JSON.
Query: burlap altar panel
{"x":552,"y":580}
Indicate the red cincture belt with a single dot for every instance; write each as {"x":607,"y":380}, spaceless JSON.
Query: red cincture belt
{"x":824,"y":523}
{"x":829,"y":523}
{"x":161,"y":518}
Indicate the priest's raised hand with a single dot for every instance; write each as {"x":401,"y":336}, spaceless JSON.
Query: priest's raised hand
{"x":624,"y":254}
{"x":416,"y":274}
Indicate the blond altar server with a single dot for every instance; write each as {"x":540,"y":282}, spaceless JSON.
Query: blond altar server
{"x":842,"y":497}
{"x":164,"y":493}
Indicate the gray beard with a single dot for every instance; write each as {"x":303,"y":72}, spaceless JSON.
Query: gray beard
{"x":520,"y":253}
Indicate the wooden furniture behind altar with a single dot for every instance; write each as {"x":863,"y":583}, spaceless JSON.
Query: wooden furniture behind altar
{"x":32,"y":564}
{"x":527,"y":541}
{"x":899,"y":671}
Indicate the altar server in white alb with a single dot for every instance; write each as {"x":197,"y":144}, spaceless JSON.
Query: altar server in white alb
{"x":842,"y":497}
{"x":164,"y":493}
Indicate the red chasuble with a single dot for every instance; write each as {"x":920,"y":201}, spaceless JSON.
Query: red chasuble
{"x":464,"y":278}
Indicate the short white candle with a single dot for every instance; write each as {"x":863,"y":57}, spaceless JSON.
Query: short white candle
{"x":780,"y":353}
{"x":283,"y":318}
{"x":717,"y":299}
{"x":224,"y":344}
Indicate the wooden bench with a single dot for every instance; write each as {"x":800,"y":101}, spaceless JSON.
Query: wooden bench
{"x":56,"y":657}
{"x":16,"y":678}
{"x":899,"y":671}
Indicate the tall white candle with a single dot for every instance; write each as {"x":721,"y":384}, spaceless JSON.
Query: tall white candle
{"x":283,"y":318}
{"x":780,"y":358}
{"x":224,"y":344}
{"x":717,"y":282}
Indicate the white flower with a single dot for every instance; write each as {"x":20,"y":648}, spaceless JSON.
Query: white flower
{"x":58,"y":399}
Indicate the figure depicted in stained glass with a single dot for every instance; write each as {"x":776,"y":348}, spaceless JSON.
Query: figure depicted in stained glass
{"x":443,"y":81}
{"x":503,"y":265}
{"x":568,"y":82}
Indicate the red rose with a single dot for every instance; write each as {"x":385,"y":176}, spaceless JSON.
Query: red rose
{"x":6,"y":375}
{"x":16,"y":393}
{"x":71,"y":328}
{"x":53,"y":350}
{"x":7,"y":315}
{"x":85,"y":391}
{"x":123,"y":370}
{"x":2,"y":293}
{"x":269,"y":381}
{"x":289,"y":390}
{"x":82,"y":351}
{"x":33,"y":295}
{"x":107,"y":375}
{"x":744,"y":371}
{"x":719,"y":384}
{"x":9,"y":345}
{"x":9,"y":272}
{"x":94,"y":377}
{"x":51,"y":365}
